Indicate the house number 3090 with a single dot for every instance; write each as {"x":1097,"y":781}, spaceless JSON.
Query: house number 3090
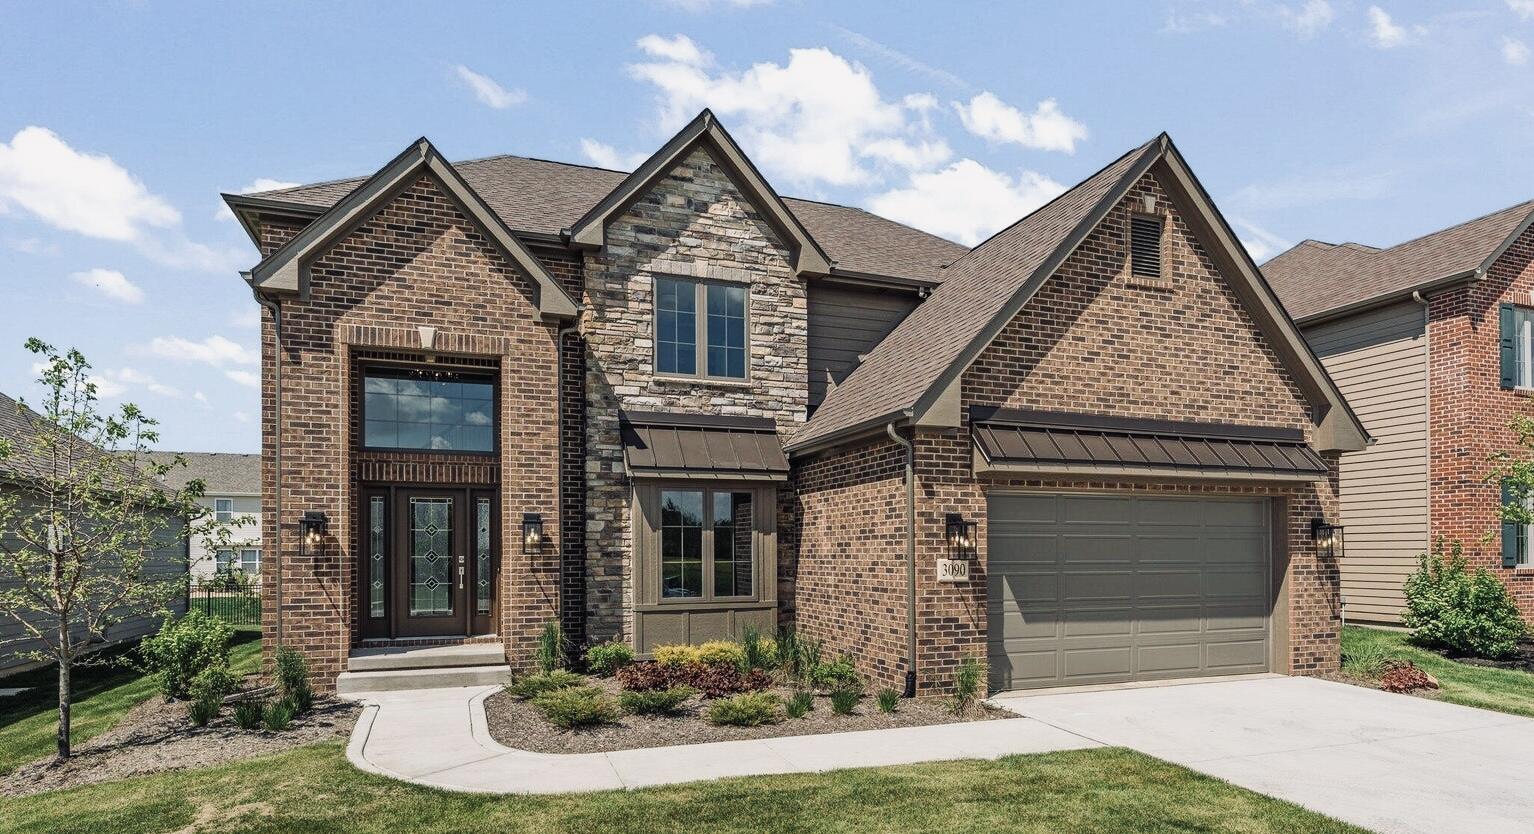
{"x":952,"y":570}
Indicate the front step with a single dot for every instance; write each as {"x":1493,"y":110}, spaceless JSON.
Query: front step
{"x":393,"y":680}
{"x":389,"y":658}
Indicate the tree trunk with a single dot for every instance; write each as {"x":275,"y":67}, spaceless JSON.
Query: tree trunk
{"x":64,"y":705}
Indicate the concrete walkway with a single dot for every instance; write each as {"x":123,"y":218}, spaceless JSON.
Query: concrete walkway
{"x":1395,"y":764}
{"x":438,"y":737}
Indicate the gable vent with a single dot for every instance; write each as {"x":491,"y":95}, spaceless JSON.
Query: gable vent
{"x":1145,"y":246}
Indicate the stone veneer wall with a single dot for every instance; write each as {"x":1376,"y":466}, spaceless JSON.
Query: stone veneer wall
{"x":1469,"y":414}
{"x":692,"y":223}
{"x":414,"y":262}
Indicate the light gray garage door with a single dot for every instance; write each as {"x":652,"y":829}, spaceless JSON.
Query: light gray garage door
{"x":1088,"y":589}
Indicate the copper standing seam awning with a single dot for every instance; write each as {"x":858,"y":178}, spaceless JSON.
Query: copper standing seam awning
{"x":1010,"y":441}
{"x":702,"y":446}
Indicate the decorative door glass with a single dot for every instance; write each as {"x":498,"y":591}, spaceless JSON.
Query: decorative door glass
{"x":376,"y":555}
{"x":483,"y":586}
{"x":431,"y":556}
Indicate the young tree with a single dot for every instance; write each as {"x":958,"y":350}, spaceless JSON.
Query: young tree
{"x":83,"y":518}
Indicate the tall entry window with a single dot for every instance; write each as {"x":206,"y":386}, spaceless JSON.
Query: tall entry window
{"x":431,"y":557}
{"x":706,"y":544}
{"x":700,"y":329}
{"x":428,"y":410}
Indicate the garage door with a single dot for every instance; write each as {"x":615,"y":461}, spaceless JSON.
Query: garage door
{"x":1089,"y":589}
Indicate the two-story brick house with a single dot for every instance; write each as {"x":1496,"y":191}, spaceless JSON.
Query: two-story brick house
{"x":1431,"y":340}
{"x":665,"y":405}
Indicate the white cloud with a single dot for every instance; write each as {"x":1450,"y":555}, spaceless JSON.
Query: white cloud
{"x":214,"y":350}
{"x":112,"y":384}
{"x":1385,"y":33}
{"x":679,"y":48}
{"x":200,"y":397}
{"x":488,"y":92}
{"x":255,"y":186}
{"x":606,"y":156}
{"x":966,"y":201}
{"x":1309,"y":19}
{"x":1180,"y":22}
{"x":707,"y":5}
{"x":816,"y":119}
{"x":901,"y":59}
{"x":1515,"y":52}
{"x":110,"y":283}
{"x":1330,"y":186}
{"x":1522,"y":8}
{"x":1046,"y":128}
{"x":247,"y":378}
{"x":1260,"y":243}
{"x":78,"y":192}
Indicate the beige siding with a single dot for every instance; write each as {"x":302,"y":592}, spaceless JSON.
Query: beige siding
{"x":1379,"y":359}
{"x":846,"y":324}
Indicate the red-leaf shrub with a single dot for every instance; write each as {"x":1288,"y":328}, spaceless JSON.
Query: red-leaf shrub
{"x":1405,"y":677}
{"x":646,"y":677}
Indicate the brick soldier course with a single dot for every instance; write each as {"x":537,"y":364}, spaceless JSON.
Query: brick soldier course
{"x":494,"y":258}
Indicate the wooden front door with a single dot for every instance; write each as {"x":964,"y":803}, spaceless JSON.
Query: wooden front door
{"x":429,"y":562}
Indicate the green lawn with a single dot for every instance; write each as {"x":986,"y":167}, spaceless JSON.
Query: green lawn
{"x":1503,"y":690}
{"x":314,"y":789}
{"x":103,"y":695}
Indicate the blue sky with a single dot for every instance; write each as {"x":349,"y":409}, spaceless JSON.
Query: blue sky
{"x":120,"y":123}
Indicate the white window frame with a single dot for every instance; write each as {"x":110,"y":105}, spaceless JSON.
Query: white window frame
{"x":1525,"y":535}
{"x":223,"y":509}
{"x":253,"y":555}
{"x":1523,"y":353}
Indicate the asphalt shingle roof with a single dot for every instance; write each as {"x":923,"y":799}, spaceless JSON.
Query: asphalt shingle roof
{"x":1314,"y":278}
{"x":222,"y":473}
{"x":21,"y":426}
{"x":536,"y":196}
{"x":917,"y":352}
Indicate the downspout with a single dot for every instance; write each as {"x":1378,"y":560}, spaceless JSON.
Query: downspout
{"x":910,"y":558}
{"x":276,"y":309}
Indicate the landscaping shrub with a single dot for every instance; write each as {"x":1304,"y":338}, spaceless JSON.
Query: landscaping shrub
{"x":1404,"y":676}
{"x":966,"y":684}
{"x":576,"y":706}
{"x":278,"y":715}
{"x":756,"y":653}
{"x":720,"y":679}
{"x":889,"y":700}
{"x":655,"y":701}
{"x":749,"y":709}
{"x":551,"y":648}
{"x":207,"y":692}
{"x":183,"y":648}
{"x":642,"y":677}
{"x":201,"y":711}
{"x":676,"y":655}
{"x":800,"y":704}
{"x":788,"y":654}
{"x":844,"y":701}
{"x":1450,"y":607}
{"x":721,"y":651}
{"x":247,"y":714}
{"x":604,"y":659}
{"x":836,"y":674}
{"x":532,"y":686}
{"x":1368,"y":661}
{"x":292,"y":669}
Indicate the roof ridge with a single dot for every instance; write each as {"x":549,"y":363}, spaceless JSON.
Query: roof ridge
{"x":1528,"y":205}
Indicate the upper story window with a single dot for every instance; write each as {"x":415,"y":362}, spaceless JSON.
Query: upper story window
{"x":427,"y":410}
{"x":700,"y":329}
{"x":1517,"y":326}
{"x":223,"y":509}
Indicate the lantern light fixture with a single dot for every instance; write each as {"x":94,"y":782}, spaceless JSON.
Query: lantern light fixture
{"x":961,"y":536}
{"x":532,"y":533}
{"x":1326,"y":536}
{"x":311,"y":530}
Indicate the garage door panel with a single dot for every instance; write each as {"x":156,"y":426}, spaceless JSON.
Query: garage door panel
{"x":1100,"y":589}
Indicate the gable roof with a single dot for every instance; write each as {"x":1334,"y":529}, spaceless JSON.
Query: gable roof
{"x":222,"y":473}
{"x":912,"y":375}
{"x":286,"y":269}
{"x":538,"y":199}
{"x":1316,"y":279}
{"x":21,"y":426}
{"x":704,"y":131}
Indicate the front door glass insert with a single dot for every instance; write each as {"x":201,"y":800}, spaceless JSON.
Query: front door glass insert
{"x":431,"y":557}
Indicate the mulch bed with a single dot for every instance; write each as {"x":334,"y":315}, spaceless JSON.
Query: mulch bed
{"x":157,"y":736}
{"x":1521,"y":660}
{"x":520,"y":725}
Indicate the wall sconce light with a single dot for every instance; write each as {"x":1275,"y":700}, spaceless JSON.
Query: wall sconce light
{"x":1328,"y":537}
{"x":961,"y":536}
{"x":532,"y":533}
{"x":312,"y":532}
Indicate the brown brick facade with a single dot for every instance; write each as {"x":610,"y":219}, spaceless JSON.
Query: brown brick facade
{"x":1087,"y":342}
{"x":1469,"y":415}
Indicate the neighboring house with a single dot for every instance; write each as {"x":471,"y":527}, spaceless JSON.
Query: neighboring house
{"x":232,"y":493}
{"x":18,"y":424}
{"x":667,"y":405}
{"x":1431,"y":342}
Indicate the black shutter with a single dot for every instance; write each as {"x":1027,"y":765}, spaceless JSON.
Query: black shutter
{"x":1145,"y":246}
{"x":1510,"y":534}
{"x":1508,"y":344}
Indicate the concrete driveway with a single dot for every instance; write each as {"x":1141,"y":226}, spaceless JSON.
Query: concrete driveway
{"x":1390,"y":763}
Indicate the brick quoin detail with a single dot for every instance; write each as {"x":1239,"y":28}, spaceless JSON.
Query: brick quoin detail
{"x":1470,"y":416}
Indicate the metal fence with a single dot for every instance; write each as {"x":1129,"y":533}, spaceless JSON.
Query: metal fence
{"x":232,"y":598}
